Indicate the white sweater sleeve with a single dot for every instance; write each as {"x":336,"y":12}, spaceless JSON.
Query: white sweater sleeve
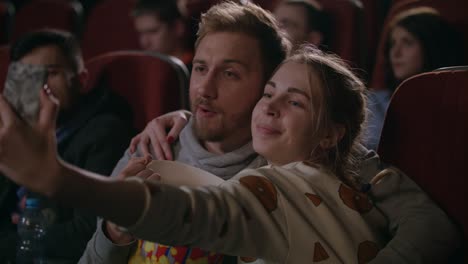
{"x":421,"y":231}
{"x":244,"y":212}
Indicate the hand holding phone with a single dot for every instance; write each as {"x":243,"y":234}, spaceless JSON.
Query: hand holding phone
{"x":22,"y":88}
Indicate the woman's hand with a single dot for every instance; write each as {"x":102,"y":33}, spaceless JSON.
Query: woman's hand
{"x":155,"y":133}
{"x":28,"y":154}
{"x":137,"y":167}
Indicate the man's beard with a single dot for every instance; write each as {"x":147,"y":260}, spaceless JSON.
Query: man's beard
{"x":209,"y":132}
{"x":220,"y":127}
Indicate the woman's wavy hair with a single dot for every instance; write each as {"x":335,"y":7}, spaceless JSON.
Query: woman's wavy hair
{"x":338,"y":98}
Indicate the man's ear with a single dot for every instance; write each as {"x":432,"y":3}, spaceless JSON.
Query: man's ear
{"x":333,"y":138}
{"x":315,"y":37}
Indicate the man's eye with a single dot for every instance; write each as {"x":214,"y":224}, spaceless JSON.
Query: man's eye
{"x":199,"y":68}
{"x":231,"y":74}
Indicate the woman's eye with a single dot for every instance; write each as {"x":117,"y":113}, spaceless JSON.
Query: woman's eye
{"x":295,"y":103}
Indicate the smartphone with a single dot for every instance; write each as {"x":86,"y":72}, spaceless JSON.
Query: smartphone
{"x":22,"y":89}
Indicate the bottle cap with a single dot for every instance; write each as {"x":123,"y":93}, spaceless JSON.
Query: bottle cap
{"x":32,"y":202}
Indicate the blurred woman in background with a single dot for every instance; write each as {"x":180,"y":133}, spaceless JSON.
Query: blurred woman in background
{"x":419,"y":41}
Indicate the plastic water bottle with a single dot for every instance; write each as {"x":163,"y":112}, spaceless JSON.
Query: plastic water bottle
{"x":31,"y":232}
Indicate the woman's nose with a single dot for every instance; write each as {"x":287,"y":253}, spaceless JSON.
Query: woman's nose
{"x":271,"y":108}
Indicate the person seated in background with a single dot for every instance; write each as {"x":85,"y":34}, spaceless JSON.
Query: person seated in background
{"x":304,"y":22}
{"x":161,"y":28}
{"x":92,"y":131}
{"x":420,"y":40}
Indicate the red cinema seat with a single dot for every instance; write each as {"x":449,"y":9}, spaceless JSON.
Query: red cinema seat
{"x":347,"y":37}
{"x":453,"y":11}
{"x":425,"y":135}
{"x":109,"y":27}
{"x":56,"y":14}
{"x":152,"y":84}
{"x":374,"y":16}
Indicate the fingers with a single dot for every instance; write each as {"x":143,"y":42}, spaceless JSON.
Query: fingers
{"x":134,"y":143}
{"x":7,"y":116}
{"x":116,"y":236}
{"x":175,"y":131}
{"x":154,"y":177}
{"x":185,"y":114}
{"x":48,"y":112}
{"x":166,"y":148}
{"x":155,"y":132}
{"x":134,"y":166}
{"x":148,"y":174}
{"x":157,"y":135}
{"x":179,"y":124}
{"x":144,"y":146}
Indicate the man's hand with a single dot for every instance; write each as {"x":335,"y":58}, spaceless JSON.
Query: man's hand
{"x":28,"y":154}
{"x":118,"y":237}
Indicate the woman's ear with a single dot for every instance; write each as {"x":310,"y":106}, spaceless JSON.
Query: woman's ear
{"x":334,"y":136}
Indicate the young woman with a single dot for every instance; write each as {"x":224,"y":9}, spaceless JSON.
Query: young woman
{"x":419,"y":41}
{"x":305,"y":206}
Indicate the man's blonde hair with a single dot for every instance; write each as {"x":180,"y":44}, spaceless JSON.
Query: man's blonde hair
{"x":252,"y":20}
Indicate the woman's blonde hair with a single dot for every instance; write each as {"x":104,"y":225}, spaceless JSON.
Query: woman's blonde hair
{"x":338,"y":98}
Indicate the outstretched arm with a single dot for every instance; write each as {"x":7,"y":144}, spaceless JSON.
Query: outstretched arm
{"x":28,"y":155}
{"x":29,"y":158}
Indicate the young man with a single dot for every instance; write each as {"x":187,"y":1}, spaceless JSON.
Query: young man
{"x":216,"y":71}
{"x":90,"y":134}
{"x":304,"y":21}
{"x":162,"y":29}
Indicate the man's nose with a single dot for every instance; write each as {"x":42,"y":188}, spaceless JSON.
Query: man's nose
{"x":207,"y":86}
